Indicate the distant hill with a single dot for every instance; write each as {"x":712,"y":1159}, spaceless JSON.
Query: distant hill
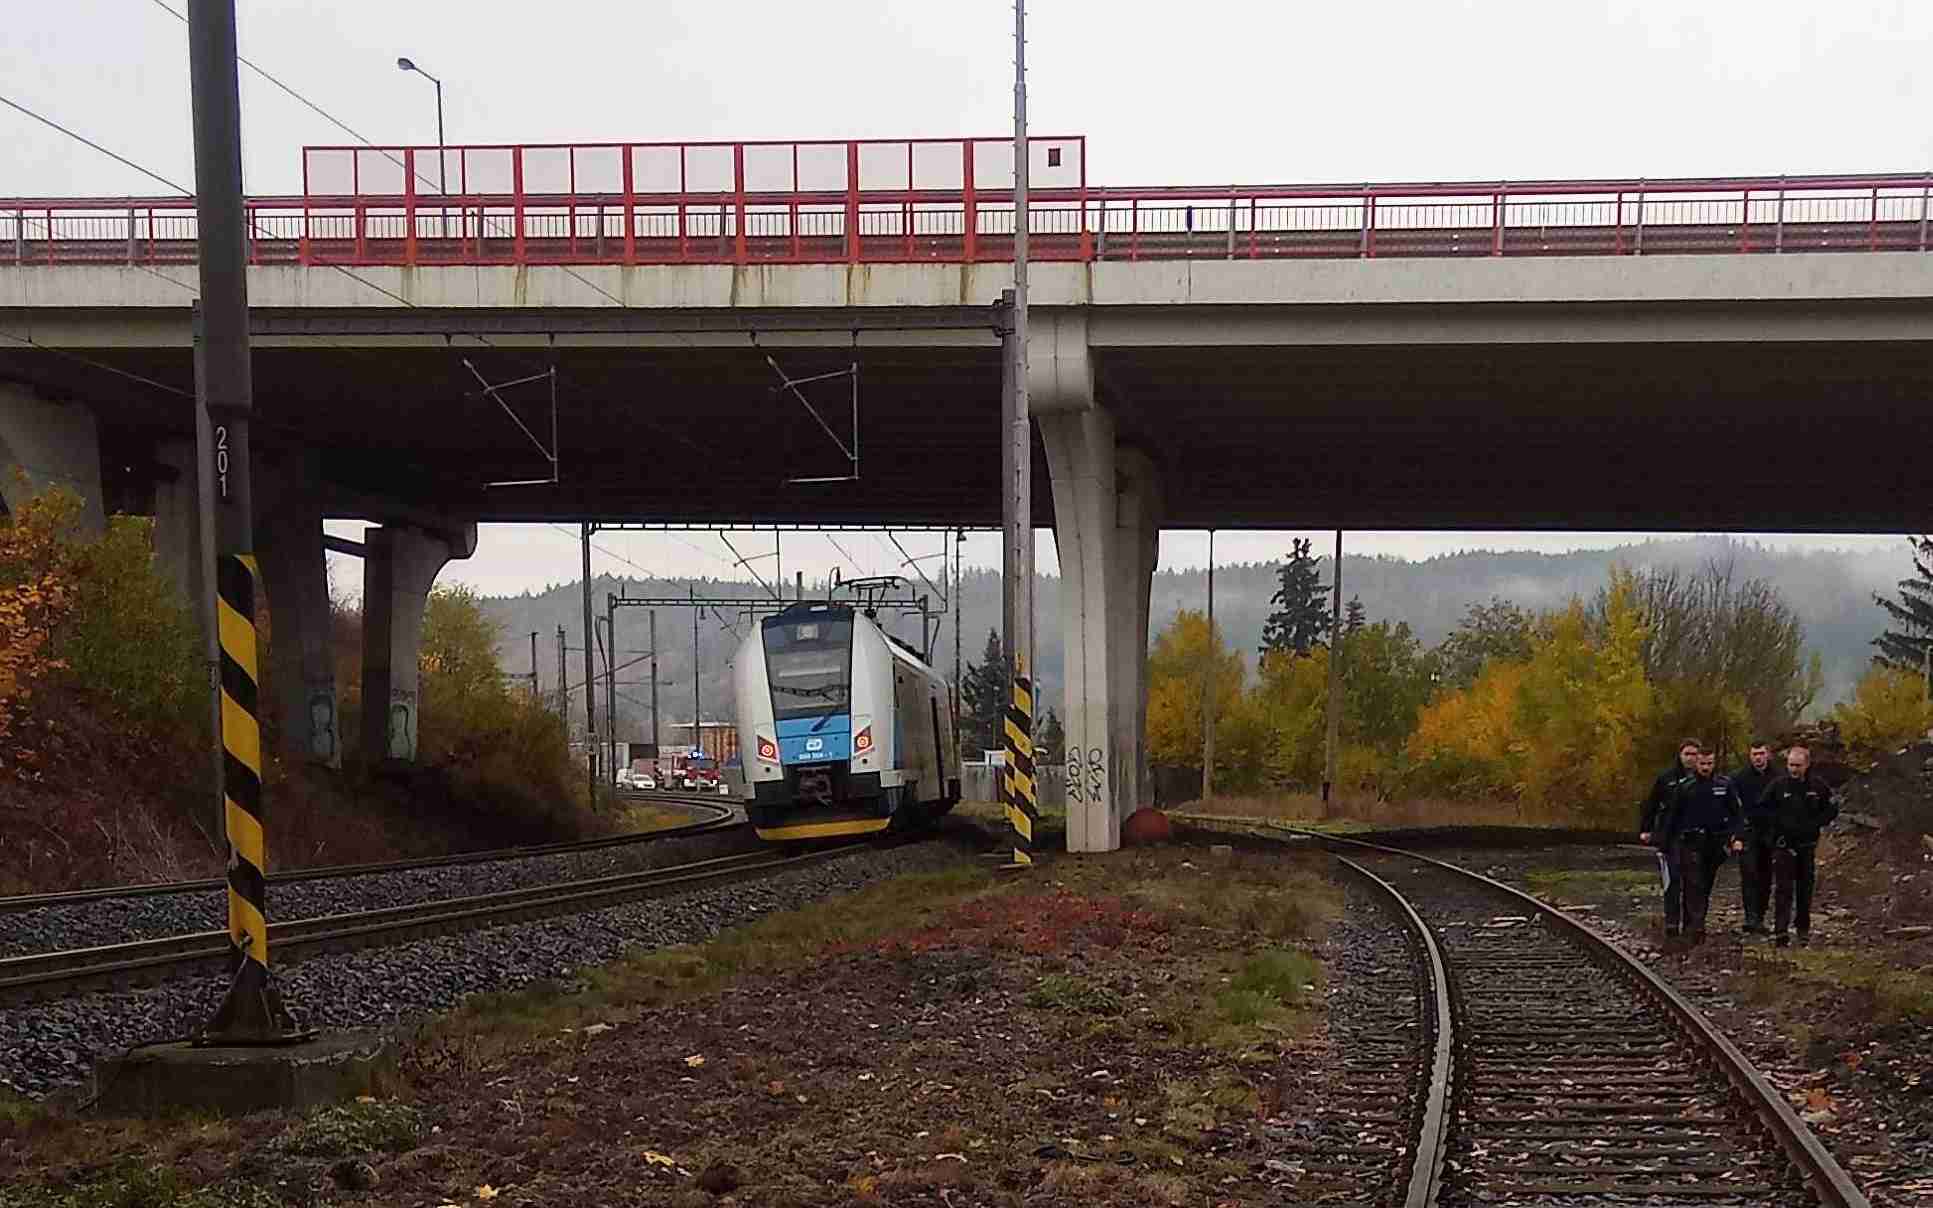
{"x":1832,"y":592}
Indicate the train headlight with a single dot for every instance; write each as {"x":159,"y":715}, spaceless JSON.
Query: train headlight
{"x":767,"y":749}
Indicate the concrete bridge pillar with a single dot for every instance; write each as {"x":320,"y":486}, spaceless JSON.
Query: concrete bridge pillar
{"x":1107,"y":505}
{"x":44,"y":443}
{"x":295,"y":573}
{"x":180,"y":554}
{"x":398,"y":568}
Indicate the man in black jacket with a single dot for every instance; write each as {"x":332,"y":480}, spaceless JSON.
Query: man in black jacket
{"x":1706,"y":818}
{"x":1653,"y":815}
{"x":1801,"y":805}
{"x":1755,"y":862}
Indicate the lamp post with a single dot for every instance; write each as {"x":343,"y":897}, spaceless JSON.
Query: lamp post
{"x":404,"y":63}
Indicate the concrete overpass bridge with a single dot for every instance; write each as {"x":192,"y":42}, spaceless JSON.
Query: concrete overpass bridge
{"x":1700,"y":354}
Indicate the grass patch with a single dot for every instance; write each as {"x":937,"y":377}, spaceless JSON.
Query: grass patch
{"x":1899,"y":995}
{"x":1281,"y":976}
{"x":1077,"y":995}
{"x":1599,"y":883}
{"x":642,"y":816}
{"x":139,"y":1186}
{"x":352,"y":1130}
{"x":1346,"y":812}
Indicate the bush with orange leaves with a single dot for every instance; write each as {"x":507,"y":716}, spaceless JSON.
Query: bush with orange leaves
{"x":36,"y":598}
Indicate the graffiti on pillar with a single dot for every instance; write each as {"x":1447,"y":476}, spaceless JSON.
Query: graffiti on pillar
{"x":1096,"y":774}
{"x":1076,"y":776}
{"x":402,"y":725}
{"x":325,"y":746}
{"x":1086,"y":774}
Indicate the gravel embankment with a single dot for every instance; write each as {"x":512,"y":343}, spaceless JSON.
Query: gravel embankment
{"x":46,"y":1046}
{"x":120,"y":920}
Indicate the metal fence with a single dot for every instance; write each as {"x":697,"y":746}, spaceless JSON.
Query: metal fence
{"x":938,"y":200}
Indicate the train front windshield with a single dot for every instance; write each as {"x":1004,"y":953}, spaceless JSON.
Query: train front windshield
{"x":809,"y":663}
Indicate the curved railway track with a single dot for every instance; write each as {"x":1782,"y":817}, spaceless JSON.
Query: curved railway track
{"x":1570,"y":1073}
{"x":145,"y":962}
{"x":722,"y":810}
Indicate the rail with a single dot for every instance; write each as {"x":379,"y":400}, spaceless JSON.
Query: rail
{"x":144,"y":962}
{"x":722,"y":817}
{"x":932,"y":202}
{"x":1820,"y":1171}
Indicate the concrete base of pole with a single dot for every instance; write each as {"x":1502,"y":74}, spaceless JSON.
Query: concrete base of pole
{"x":180,"y":1077}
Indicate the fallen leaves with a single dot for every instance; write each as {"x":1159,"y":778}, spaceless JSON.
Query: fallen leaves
{"x":654,"y":1158}
{"x":486,"y":1192}
{"x":695,"y":1060}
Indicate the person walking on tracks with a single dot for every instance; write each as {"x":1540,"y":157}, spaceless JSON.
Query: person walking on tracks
{"x":1801,"y":805}
{"x":1706,"y":818}
{"x":1654,"y":813}
{"x":1755,"y":862}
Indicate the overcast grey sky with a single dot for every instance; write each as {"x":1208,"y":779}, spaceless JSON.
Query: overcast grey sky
{"x":1214,"y":91}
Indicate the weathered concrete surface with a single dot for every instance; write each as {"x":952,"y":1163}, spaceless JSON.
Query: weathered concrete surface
{"x":45,"y":443}
{"x":235,"y":1081}
{"x":399,"y":566}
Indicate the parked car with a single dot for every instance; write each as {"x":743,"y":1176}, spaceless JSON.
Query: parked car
{"x":643,"y":780}
{"x":624,"y":780}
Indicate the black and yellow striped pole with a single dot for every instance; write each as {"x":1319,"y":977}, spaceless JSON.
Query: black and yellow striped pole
{"x":1018,"y":790}
{"x":252,"y":1011}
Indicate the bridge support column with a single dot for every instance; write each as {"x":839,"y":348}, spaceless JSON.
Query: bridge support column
{"x":1106,"y":523}
{"x":43,"y":444}
{"x":301,"y":664}
{"x":180,"y":556}
{"x":398,"y":568}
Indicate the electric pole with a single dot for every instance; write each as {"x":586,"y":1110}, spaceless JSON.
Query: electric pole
{"x":536,"y":689}
{"x":563,"y":682}
{"x":697,"y":716}
{"x":657,"y":752}
{"x":1017,"y":504}
{"x":1208,"y":685}
{"x":1334,"y":736}
{"x":590,"y":671}
{"x":252,"y":1011}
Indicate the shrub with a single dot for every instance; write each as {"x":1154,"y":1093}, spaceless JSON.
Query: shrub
{"x":1888,"y":709}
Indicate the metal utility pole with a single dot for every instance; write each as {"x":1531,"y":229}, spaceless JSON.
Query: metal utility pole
{"x":1208,"y":685}
{"x":959,"y":606}
{"x":1017,"y":505}
{"x":657,"y":750}
{"x":697,"y":715}
{"x":610,"y":676}
{"x":590,"y":671}
{"x":563,"y":681}
{"x":1334,"y":737}
{"x":252,"y":1011}
{"x":536,"y":689}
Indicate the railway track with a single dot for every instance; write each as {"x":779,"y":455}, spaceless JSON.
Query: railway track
{"x":147,"y":962}
{"x":1569,"y":1073}
{"x":720,"y":811}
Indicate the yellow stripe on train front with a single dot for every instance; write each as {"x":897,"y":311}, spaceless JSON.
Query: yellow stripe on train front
{"x":824,"y":830}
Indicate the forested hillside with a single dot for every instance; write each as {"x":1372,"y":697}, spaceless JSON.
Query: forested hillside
{"x":1831,"y":593}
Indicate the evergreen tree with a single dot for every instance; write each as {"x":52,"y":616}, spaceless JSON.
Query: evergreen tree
{"x":1299,"y":622}
{"x":1050,"y":741}
{"x":1354,"y":617}
{"x":984,"y":690}
{"x":1904,"y":647}
{"x":1495,"y":632}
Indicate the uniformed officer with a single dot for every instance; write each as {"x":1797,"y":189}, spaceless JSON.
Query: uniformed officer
{"x":1801,"y":806}
{"x":1755,"y":862}
{"x":1706,"y":818}
{"x":1652,"y":817}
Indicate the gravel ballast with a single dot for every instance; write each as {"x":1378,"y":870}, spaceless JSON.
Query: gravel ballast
{"x":47,"y":1046}
{"x":121,"y":920}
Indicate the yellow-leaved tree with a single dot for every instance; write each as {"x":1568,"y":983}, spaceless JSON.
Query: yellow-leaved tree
{"x":1888,"y":709}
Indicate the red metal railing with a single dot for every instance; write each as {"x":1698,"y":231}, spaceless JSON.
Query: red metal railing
{"x":947,"y":201}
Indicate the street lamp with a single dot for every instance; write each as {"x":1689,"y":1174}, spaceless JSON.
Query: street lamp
{"x":404,"y":63}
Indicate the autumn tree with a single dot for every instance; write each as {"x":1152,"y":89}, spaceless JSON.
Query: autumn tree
{"x":1906,"y":642}
{"x":1300,"y":622}
{"x":1497,"y":631}
{"x":1177,"y":679}
{"x":1888,"y":709}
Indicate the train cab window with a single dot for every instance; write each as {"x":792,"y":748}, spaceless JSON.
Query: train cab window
{"x":809,"y":663}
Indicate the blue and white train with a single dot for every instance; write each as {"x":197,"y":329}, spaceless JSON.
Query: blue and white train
{"x":843,"y":729}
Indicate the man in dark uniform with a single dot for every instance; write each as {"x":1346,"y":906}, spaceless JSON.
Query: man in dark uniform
{"x":1706,"y":818}
{"x":1801,"y":805}
{"x":1755,"y":862}
{"x":1654,"y":813}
